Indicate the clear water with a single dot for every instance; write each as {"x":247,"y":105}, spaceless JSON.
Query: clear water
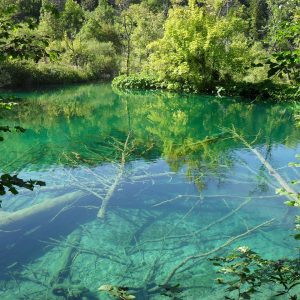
{"x":183,"y":187}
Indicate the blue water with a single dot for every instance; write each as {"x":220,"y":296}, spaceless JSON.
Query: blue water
{"x":183,"y":186}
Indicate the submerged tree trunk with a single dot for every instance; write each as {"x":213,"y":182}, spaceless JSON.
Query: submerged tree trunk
{"x":29,"y":212}
{"x":66,"y":259}
{"x":292,"y":194}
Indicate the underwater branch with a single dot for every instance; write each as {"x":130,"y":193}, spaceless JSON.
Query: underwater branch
{"x":291,"y":192}
{"x":205,"y":254}
{"x":117,"y":180}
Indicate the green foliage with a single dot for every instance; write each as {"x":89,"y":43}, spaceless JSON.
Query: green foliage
{"x":24,"y":9}
{"x":72,"y":18}
{"x":97,"y":59}
{"x":262,"y":91}
{"x":285,"y":63}
{"x":89,"y":4}
{"x":101,"y":59}
{"x":283,"y":25}
{"x":135,"y":82}
{"x":11,"y":182}
{"x":16,"y":41}
{"x":285,"y":60}
{"x":296,"y":197}
{"x":258,"y":15}
{"x":100,"y":25}
{"x":29,"y":74}
{"x":138,"y":27}
{"x":205,"y":47}
{"x":199,"y":51}
{"x":72,"y":55}
{"x":246,"y":272}
{"x":50,"y":22}
{"x":190,"y":46}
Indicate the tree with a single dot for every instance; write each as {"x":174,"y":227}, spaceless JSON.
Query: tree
{"x":147,"y":27}
{"x":89,"y":4}
{"x":50,"y":21}
{"x":100,"y":25}
{"x":258,"y":18}
{"x":72,"y":18}
{"x":24,"y":9}
{"x":16,"y":41}
{"x":127,"y":28}
{"x":284,"y":60}
{"x":200,"y":50}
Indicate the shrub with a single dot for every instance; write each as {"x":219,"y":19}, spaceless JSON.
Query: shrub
{"x":137,"y":82}
{"x":265,"y":90}
{"x":26,"y":74}
{"x":101,"y":60}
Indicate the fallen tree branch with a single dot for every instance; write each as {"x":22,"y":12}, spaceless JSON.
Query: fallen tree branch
{"x":292,"y":193}
{"x":117,"y":180}
{"x":80,"y":250}
{"x":205,"y":254}
{"x":149,"y":176}
{"x":232,"y":212}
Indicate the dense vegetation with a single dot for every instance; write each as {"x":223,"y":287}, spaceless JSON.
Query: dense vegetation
{"x":246,"y":47}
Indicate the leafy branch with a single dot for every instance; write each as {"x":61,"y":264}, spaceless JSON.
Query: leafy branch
{"x":246,"y":272}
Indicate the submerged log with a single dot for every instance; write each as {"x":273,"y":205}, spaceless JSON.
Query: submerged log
{"x":61,"y":282}
{"x":7,"y":219}
{"x":66,"y":259}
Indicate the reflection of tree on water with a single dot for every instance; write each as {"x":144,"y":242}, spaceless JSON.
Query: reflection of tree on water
{"x":68,"y":120}
{"x":161,"y":220}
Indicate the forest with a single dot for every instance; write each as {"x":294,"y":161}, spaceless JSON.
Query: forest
{"x":247,"y":48}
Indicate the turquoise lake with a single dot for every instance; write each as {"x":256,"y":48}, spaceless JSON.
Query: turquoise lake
{"x":137,"y":183}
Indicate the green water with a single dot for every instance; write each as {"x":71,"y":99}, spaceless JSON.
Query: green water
{"x":174,"y":181}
